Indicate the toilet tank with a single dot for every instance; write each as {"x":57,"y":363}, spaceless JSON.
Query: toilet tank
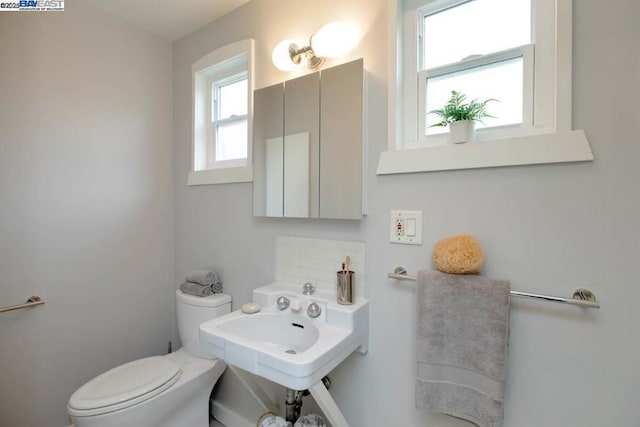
{"x":191,"y":311}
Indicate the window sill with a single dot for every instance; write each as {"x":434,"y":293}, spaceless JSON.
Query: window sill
{"x":221,"y":176}
{"x":559,"y":147}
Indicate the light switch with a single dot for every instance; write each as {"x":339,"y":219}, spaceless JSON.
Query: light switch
{"x":411,"y":227}
{"x":406,"y":227}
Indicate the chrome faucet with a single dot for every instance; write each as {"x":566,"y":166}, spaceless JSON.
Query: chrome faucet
{"x":308,"y":289}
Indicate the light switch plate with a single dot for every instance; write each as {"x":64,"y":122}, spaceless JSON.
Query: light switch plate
{"x":406,"y":227}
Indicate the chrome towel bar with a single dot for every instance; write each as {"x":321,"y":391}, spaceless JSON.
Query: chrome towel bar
{"x":581,"y":297}
{"x":31,"y":302}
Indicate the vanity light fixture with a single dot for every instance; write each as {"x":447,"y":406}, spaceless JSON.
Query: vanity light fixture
{"x":332,"y":41}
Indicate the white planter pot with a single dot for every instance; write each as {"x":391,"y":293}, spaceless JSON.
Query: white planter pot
{"x":462,"y":131}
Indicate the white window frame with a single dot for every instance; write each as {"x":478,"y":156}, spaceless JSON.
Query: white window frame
{"x":223,"y":63}
{"x":549,"y":138}
{"x":215,"y":85}
{"x":525,"y":52}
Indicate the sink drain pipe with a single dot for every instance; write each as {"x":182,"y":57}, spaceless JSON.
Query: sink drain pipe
{"x":293,"y":403}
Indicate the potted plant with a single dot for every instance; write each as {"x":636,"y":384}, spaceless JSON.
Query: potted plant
{"x":461,"y":116}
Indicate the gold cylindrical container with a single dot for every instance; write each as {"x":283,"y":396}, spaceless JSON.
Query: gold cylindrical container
{"x":346,"y":287}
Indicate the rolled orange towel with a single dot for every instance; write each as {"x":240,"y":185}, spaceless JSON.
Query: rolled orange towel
{"x":458,"y":255}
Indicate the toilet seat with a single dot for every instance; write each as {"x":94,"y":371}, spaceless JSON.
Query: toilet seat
{"x":124,"y":386}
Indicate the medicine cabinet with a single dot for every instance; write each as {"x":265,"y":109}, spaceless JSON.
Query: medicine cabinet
{"x":308,"y":145}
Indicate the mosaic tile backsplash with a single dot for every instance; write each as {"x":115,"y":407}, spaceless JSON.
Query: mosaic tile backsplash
{"x":300,"y":260}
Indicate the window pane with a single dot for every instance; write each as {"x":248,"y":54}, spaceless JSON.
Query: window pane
{"x":501,"y":80}
{"x":476,"y":27}
{"x":232,"y":99}
{"x":231,"y":141}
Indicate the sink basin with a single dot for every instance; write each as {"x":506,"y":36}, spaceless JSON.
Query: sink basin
{"x":287,"y":346}
{"x":287,"y":333}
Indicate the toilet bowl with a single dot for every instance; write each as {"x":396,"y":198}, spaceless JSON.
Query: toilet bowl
{"x":163,"y":391}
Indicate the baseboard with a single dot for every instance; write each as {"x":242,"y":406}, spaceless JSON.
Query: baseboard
{"x":229,"y":417}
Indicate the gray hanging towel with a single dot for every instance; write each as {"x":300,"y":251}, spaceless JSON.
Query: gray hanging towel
{"x":462,"y":327}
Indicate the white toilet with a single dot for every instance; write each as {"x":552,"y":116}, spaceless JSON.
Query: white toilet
{"x":159,"y":391}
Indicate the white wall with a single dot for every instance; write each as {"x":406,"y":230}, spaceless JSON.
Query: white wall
{"x":548,"y":229}
{"x":85,"y":204}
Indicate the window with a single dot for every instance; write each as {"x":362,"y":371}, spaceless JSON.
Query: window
{"x":222,"y":106}
{"x":488,"y":56}
{"x":516,"y":51}
{"x":229,"y":129}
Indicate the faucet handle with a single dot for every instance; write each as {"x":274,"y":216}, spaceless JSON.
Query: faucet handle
{"x":282,"y":303}
{"x":313,"y":310}
{"x":308,"y":289}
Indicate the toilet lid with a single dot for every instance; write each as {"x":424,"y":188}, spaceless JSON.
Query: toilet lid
{"x":124,"y":386}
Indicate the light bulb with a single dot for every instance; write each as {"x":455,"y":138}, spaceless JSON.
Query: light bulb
{"x":334,"y":40}
{"x":281,"y":58}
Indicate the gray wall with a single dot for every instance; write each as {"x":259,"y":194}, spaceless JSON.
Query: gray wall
{"x":548,"y":229}
{"x":85,"y":204}
{"x":86,"y":217}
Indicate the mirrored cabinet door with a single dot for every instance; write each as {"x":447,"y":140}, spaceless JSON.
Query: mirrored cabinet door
{"x":302,"y":146}
{"x":268,"y":165}
{"x":308,"y":145}
{"x":341,"y":109}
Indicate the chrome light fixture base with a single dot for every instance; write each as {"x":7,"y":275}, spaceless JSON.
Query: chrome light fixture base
{"x":297,"y":53}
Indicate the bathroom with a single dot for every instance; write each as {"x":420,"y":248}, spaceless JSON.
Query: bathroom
{"x":97,"y":218}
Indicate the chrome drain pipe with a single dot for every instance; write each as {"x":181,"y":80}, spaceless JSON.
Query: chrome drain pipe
{"x":293,"y":403}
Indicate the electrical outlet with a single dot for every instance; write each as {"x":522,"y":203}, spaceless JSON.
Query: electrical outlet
{"x":406,"y":227}
{"x":399,"y":226}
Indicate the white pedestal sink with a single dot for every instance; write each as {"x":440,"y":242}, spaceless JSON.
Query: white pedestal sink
{"x":288,"y":346}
